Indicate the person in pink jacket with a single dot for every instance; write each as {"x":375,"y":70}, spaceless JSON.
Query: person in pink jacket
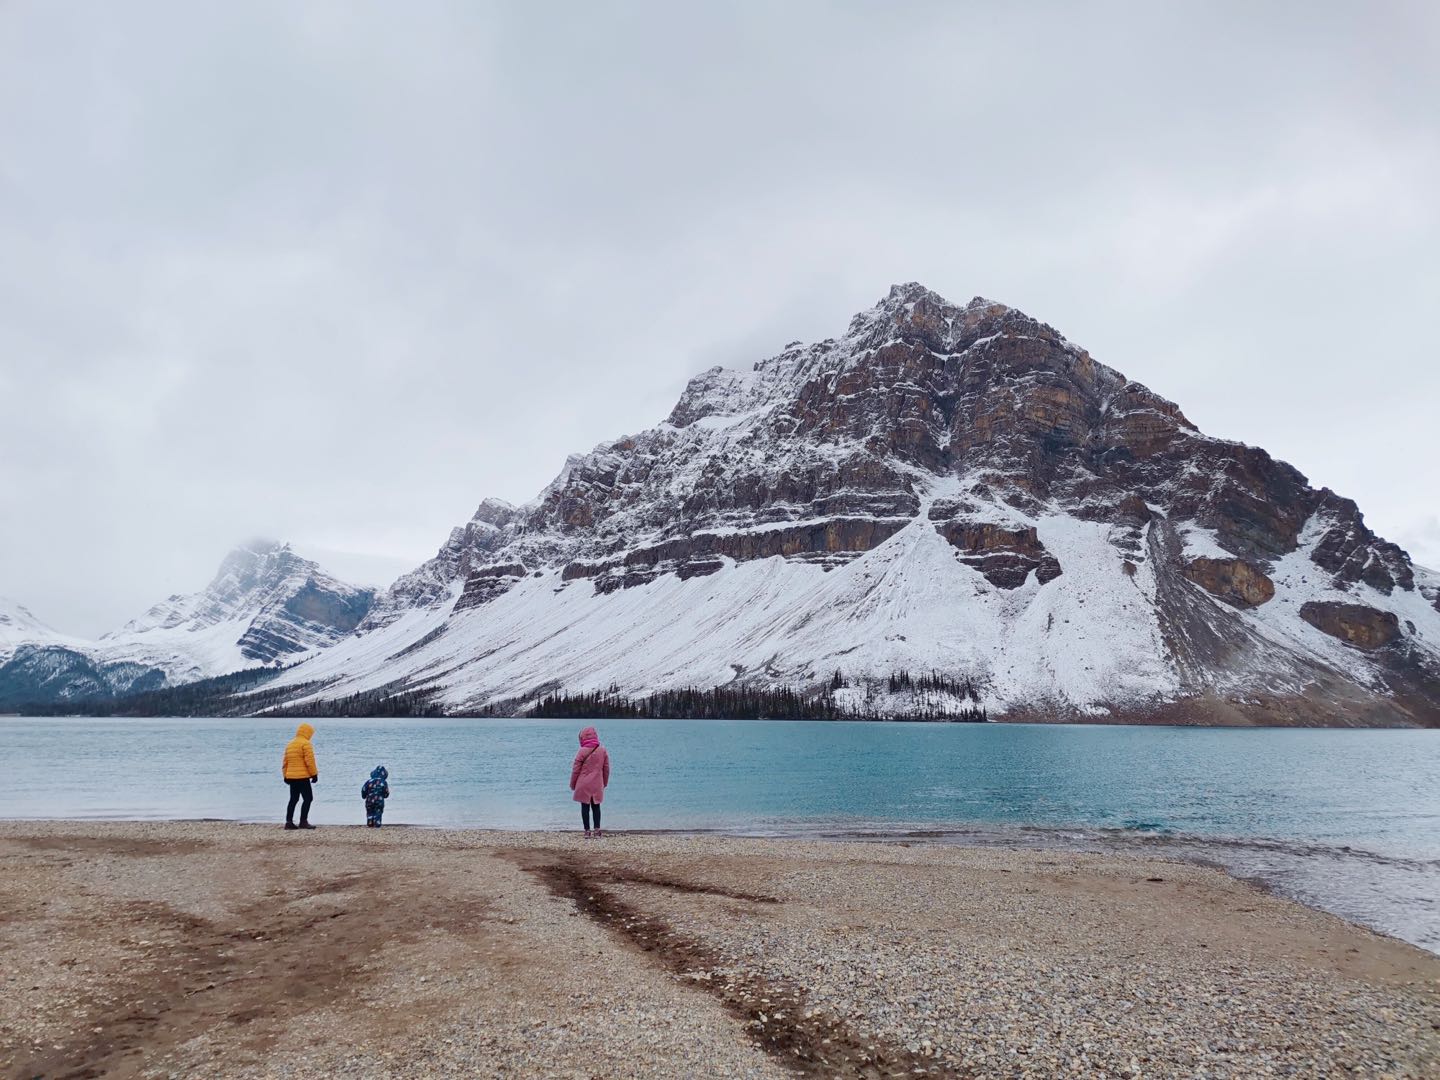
{"x":588,"y":777}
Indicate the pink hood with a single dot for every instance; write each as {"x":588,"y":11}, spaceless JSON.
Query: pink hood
{"x":588,"y":737}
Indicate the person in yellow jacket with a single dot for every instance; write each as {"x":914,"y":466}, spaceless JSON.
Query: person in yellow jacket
{"x":300,"y":772}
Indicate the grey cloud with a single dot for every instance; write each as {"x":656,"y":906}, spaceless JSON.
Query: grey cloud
{"x":334,"y":272}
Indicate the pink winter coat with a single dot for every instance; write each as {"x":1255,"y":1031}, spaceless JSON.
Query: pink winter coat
{"x":591,"y":771}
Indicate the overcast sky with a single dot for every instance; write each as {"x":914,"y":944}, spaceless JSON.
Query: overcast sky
{"x":335,"y":272}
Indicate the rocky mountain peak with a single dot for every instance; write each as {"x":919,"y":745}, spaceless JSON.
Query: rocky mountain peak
{"x":904,"y":299}
{"x":915,"y":315}
{"x":944,"y":487}
{"x":255,"y":564}
{"x":496,"y":512}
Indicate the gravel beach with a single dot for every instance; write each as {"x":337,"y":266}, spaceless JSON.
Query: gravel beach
{"x":227,"y":950}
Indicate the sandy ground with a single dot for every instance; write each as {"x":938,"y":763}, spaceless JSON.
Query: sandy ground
{"x":204,"y":949}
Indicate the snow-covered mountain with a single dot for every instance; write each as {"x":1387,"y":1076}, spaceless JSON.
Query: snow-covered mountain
{"x":38,"y":664}
{"x":944,"y":488}
{"x":265,"y":605}
{"x":18,"y":626}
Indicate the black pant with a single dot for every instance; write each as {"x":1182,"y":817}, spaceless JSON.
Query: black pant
{"x":299,"y":789}
{"x":585,"y":809}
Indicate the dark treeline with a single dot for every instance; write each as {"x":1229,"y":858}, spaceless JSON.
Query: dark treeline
{"x":717,"y":703}
{"x":727,"y":703}
{"x":380,"y":702}
{"x":244,"y":693}
{"x":237,"y":694}
{"x":900,"y":681}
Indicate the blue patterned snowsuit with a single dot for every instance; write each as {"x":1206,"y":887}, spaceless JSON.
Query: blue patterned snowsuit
{"x":375,"y":791}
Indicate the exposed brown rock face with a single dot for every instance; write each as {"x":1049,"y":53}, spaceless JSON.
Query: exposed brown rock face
{"x":1131,"y":510}
{"x":1235,"y":581}
{"x":1141,"y":423}
{"x":695,"y":556}
{"x":501,"y":570}
{"x":1355,"y":624}
{"x":487,"y":582}
{"x":1353,"y":553}
{"x":856,"y":483}
{"x":1005,"y":556}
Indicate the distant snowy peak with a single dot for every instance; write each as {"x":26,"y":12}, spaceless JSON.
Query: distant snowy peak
{"x":954,"y":488}
{"x":18,"y":625}
{"x":264,"y":603}
{"x":252,"y":579}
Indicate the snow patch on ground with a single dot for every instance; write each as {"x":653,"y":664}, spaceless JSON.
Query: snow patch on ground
{"x":1200,"y":543}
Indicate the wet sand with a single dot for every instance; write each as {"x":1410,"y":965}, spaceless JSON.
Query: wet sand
{"x":189,"y":949}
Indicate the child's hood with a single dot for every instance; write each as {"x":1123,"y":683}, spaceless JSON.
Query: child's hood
{"x":379,"y":773}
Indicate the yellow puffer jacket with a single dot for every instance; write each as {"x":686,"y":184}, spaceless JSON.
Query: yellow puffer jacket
{"x":300,"y":755}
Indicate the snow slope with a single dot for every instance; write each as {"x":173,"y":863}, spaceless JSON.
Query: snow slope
{"x":908,"y":604}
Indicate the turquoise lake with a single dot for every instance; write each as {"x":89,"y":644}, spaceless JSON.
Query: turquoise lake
{"x":1345,"y":820}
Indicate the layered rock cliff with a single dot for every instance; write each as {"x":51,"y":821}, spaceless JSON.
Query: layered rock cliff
{"x":947,"y":488}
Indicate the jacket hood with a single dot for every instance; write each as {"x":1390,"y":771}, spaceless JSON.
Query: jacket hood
{"x":379,"y":773}
{"x":589,"y":738}
{"x":304,"y":731}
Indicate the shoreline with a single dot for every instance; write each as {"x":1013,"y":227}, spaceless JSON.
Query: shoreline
{"x":225,"y":949}
{"x":1185,"y":848}
{"x":1019,"y":719}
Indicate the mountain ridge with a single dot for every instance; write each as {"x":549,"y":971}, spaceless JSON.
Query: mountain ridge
{"x":264,"y":605}
{"x":944,"y":487}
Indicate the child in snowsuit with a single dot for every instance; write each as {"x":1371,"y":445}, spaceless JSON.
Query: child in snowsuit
{"x":375,"y":791}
